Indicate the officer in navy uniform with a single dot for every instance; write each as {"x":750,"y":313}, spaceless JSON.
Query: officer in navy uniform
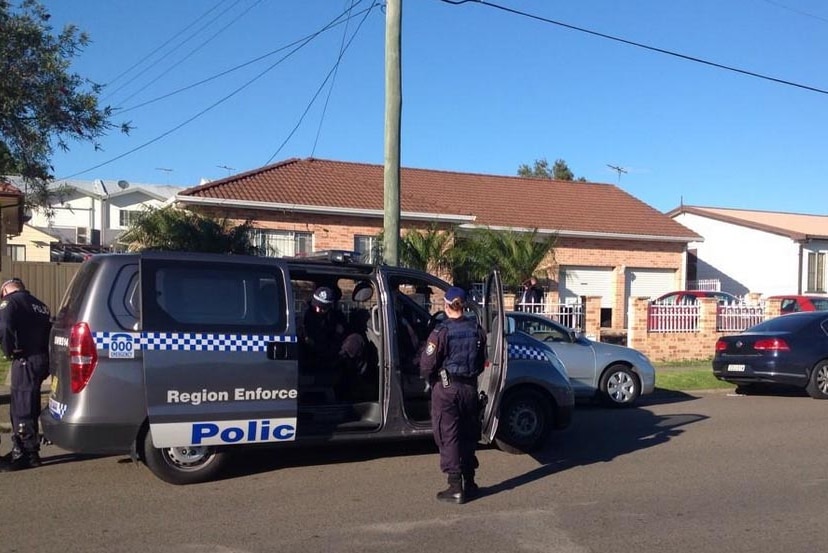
{"x":24,"y":337}
{"x":451,"y":362}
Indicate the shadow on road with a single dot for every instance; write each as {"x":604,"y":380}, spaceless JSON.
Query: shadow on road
{"x":599,"y":435}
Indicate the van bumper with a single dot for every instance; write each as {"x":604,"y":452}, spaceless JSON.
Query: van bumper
{"x":98,"y":439}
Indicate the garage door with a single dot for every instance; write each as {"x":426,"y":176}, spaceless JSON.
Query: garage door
{"x":649,"y":282}
{"x":586,"y":281}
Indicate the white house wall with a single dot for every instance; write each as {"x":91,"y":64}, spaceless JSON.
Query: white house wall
{"x":744,"y":259}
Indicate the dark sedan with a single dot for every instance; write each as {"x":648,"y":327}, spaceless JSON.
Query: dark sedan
{"x":791,"y":350}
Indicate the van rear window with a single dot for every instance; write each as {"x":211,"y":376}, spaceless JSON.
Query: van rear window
{"x":73,"y":298}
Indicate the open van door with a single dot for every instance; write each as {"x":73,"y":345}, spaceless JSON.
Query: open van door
{"x":494,"y":375}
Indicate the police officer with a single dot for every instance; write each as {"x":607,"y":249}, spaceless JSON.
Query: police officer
{"x":24,"y":337}
{"x":453,"y":358}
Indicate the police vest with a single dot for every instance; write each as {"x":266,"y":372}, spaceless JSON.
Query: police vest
{"x":464,"y":348}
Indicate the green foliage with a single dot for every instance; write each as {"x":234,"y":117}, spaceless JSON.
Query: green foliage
{"x":517,"y":255}
{"x":42,"y":103}
{"x":429,"y":250}
{"x":172,"y":229}
{"x":541,"y":170}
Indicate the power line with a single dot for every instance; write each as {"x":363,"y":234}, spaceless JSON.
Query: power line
{"x":179,"y":45}
{"x":214,"y":104}
{"x":800,"y":12}
{"x":638,"y":44}
{"x":321,"y":86}
{"x":193,"y":51}
{"x":334,"y":23}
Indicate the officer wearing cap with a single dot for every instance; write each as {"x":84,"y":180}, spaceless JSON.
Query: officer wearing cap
{"x":24,"y":338}
{"x":322,"y":330}
{"x":451,"y":362}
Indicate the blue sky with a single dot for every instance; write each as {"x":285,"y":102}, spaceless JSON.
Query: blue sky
{"x":484,"y":91}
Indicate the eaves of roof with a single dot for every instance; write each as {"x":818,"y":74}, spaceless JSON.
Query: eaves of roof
{"x":797,"y":227}
{"x":509,"y":202}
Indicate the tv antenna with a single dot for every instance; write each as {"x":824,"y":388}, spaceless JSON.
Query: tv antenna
{"x":166,"y":170}
{"x":618,"y":169}
{"x":229,"y":169}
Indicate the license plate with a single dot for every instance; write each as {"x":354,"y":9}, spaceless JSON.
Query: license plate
{"x":54,"y":384}
{"x":736,"y":368}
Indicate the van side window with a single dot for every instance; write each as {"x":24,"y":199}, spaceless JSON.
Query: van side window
{"x":193,"y":296}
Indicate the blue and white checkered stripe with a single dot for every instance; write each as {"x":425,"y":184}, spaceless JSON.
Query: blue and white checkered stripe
{"x":526,"y":352}
{"x":185,"y":341}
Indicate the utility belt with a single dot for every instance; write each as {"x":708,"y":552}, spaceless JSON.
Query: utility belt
{"x":446,"y":379}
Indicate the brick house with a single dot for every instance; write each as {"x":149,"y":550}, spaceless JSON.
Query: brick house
{"x":609,"y":243}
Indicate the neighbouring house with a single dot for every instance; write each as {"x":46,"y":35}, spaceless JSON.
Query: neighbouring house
{"x":609,"y":243}
{"x":757,"y":252}
{"x":11,"y":211}
{"x":87,"y":217}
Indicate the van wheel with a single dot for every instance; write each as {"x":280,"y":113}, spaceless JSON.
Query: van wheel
{"x":183,"y":465}
{"x":524,"y":423}
{"x":619,"y":386}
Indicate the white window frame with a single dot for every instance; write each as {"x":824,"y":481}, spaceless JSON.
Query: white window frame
{"x":281,"y":243}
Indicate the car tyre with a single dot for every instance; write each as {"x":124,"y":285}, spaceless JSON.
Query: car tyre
{"x":525,"y":422}
{"x":620,"y":386}
{"x":183,"y":465}
{"x":817,"y":386}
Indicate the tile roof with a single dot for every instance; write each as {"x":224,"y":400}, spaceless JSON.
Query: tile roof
{"x":797,"y":226}
{"x":569,"y":208}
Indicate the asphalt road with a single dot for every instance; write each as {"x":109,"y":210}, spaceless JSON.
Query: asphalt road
{"x":704,"y":473}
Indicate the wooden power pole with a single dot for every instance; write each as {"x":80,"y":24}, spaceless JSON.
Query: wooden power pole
{"x":393,"y":110}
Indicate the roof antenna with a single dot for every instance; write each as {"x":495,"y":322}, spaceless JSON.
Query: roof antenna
{"x":618,"y":169}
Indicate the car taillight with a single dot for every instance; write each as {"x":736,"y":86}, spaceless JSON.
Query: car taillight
{"x":83,"y":356}
{"x":721,"y":345}
{"x":771,"y":344}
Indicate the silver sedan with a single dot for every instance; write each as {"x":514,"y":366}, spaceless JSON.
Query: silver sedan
{"x":616,"y":374}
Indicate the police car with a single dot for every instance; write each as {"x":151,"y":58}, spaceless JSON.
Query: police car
{"x":176,"y":358}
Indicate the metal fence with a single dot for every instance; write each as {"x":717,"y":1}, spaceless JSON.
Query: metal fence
{"x":685,"y":318}
{"x":48,"y":281}
{"x":568,"y":314}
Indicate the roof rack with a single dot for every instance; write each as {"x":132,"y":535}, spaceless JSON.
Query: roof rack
{"x":334,"y":256}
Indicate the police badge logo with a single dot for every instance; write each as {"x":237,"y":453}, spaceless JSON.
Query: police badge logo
{"x":3,"y":304}
{"x":432,"y":347}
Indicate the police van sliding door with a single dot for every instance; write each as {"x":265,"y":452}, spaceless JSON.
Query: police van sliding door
{"x":219,"y":352}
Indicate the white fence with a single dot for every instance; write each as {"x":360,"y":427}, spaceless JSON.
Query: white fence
{"x":685,"y":318}
{"x":568,"y":314}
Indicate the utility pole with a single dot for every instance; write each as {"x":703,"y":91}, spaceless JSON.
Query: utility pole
{"x":393,"y":109}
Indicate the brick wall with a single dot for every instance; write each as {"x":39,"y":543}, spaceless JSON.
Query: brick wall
{"x":681,"y":346}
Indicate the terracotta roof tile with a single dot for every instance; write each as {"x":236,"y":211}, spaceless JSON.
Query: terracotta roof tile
{"x":498,"y":201}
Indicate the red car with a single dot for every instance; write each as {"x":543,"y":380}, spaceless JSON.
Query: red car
{"x":794,"y":303}
{"x":688,"y":297}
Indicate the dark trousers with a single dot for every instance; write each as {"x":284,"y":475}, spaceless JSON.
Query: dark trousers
{"x":455,"y":420}
{"x":27,"y":375}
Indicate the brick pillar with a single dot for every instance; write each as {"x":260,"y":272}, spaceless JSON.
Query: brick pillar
{"x":509,"y":302}
{"x":707,"y":314}
{"x":773,"y":308}
{"x":592,"y":317}
{"x":637,"y":322}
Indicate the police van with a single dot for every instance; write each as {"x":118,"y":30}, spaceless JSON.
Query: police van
{"x":176,"y":358}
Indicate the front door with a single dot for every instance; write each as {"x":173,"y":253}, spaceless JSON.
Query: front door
{"x":219,"y":356}
{"x":494,"y":375}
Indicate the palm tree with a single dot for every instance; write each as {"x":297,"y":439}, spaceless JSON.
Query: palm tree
{"x":429,"y":250}
{"x":518,"y":255}
{"x":172,"y":229}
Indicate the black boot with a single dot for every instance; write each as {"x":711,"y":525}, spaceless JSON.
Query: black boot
{"x":470,"y":487}
{"x":17,"y":459}
{"x":454,"y":492}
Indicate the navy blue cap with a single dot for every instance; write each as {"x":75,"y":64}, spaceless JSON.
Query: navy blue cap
{"x":455,"y":293}
{"x":323,"y":297}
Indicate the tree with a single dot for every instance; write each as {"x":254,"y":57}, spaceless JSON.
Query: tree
{"x":171,"y":229}
{"x":42,"y":103}
{"x":429,"y":250}
{"x":517,"y":255}
{"x":541,"y":170}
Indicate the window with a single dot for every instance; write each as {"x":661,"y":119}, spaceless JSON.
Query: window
{"x":250,"y":298}
{"x":816,"y":271}
{"x":128,"y":216}
{"x":369,"y":247}
{"x":281,"y":243}
{"x":16,"y":253}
